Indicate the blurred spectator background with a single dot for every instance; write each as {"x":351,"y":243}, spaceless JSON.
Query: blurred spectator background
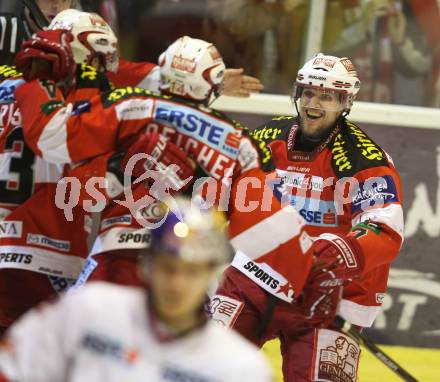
{"x":395,"y":44}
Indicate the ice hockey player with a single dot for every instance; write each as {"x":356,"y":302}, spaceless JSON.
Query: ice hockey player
{"x":40,"y":249}
{"x":105,"y":332}
{"x":31,"y":236}
{"x":348,"y":191}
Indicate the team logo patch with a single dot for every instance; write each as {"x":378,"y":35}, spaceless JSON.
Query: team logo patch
{"x":115,"y":221}
{"x":184,"y":64}
{"x":225,"y":310}
{"x":7,"y":90}
{"x":301,"y":181}
{"x":348,"y":64}
{"x":48,"y":242}
{"x":324,"y":61}
{"x":374,"y":192}
{"x":175,"y":373}
{"x":337,"y":357}
{"x":108,"y":347}
{"x":11,"y":229}
{"x":380,"y":297}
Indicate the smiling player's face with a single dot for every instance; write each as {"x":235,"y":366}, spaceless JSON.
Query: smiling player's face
{"x":319,"y":110}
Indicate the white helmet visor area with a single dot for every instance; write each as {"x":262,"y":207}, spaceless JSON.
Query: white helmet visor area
{"x":321,"y":98}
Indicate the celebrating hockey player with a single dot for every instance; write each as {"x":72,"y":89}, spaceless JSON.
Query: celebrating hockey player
{"x":31,"y":236}
{"x":40,"y":249}
{"x":348,"y":191}
{"x":105,"y":332}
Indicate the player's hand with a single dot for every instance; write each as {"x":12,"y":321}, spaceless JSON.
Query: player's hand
{"x":340,"y":255}
{"x":47,"y":55}
{"x":321,"y":295}
{"x":239,"y":85}
{"x":336,"y":260}
{"x":164,"y":160}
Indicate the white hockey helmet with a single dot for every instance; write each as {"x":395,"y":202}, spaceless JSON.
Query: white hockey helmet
{"x":191,"y":233}
{"x":329,"y":73}
{"x":191,"y":68}
{"x":93,"y":38}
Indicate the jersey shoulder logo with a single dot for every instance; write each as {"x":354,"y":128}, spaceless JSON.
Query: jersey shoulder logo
{"x":276,"y":129}
{"x":88,"y":77}
{"x":8,"y":71}
{"x":115,"y":95}
{"x":263,"y":150}
{"x":353,"y":151}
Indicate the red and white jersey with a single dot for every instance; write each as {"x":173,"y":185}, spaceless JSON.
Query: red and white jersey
{"x":21,"y":171}
{"x":35,"y":235}
{"x":144,"y":75}
{"x":112,"y":121}
{"x":106,"y":333}
{"x":346,"y":186}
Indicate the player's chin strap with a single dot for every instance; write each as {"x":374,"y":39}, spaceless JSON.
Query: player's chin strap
{"x":363,"y":339}
{"x":36,"y":13}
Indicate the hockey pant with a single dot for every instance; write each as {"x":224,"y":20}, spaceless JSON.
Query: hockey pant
{"x":308,"y":354}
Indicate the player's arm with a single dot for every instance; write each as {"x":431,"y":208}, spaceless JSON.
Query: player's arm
{"x":72,"y":130}
{"x":139,"y":74}
{"x":375,"y":205}
{"x":377,"y":216}
{"x":146,"y":75}
{"x":38,"y":346}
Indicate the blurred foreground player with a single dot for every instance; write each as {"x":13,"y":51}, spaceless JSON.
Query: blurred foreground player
{"x":111,"y":333}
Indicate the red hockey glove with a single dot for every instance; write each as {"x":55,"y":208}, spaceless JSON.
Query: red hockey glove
{"x":341,"y":255}
{"x":321,"y":295}
{"x":47,"y":55}
{"x":161,"y":161}
{"x":336,"y":260}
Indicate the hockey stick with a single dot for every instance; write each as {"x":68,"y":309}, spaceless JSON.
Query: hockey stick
{"x":36,"y":13}
{"x":373,"y":348}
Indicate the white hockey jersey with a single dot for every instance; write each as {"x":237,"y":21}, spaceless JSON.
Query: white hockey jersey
{"x":103,"y":333}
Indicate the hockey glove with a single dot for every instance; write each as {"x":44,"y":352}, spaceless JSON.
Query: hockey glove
{"x":321,"y":295}
{"x":164,"y":163}
{"x":341,"y":255}
{"x":47,"y":55}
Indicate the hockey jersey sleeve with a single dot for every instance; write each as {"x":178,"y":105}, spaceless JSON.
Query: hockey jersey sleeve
{"x":374,"y":202}
{"x":140,"y":74}
{"x":73,"y":129}
{"x":377,"y":215}
{"x":69,"y":130}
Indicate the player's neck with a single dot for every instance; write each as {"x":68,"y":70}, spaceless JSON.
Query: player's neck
{"x":167,"y":328}
{"x":182,"y":324}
